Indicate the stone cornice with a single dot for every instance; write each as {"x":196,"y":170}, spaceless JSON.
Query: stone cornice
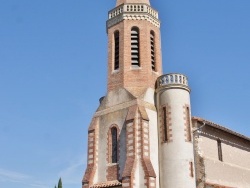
{"x":121,"y":106}
{"x":172,"y":80}
{"x":133,"y":12}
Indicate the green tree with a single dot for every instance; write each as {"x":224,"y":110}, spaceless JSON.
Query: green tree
{"x":60,"y":183}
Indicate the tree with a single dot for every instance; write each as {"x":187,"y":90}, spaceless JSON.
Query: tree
{"x":60,"y":183}
{"x":55,"y":186}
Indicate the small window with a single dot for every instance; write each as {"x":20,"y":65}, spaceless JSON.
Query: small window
{"x":135,"y":51}
{"x":114,"y":149}
{"x":191,"y":169}
{"x":188,"y":124}
{"x":165,"y":124}
{"x":116,"y":50}
{"x":219,"y":150}
{"x":152,"y":44}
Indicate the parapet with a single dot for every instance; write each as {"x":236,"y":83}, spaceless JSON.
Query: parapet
{"x":132,"y":11}
{"x":172,"y":80}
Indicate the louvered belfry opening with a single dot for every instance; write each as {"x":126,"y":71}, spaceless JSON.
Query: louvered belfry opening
{"x":135,"y":51}
{"x":116,"y":54}
{"x":152,"y":43}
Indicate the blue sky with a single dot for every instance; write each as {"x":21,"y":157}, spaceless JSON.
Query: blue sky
{"x":53,"y":57}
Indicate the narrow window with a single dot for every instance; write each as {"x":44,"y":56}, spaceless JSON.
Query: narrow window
{"x":152,"y":43}
{"x":135,"y":54}
{"x":219,"y":150}
{"x":116,"y":54}
{"x":188,"y":124}
{"x":191,"y":169}
{"x":114,"y":145}
{"x":165,"y":124}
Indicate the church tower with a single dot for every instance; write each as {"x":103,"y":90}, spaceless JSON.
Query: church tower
{"x":122,"y":136}
{"x":140,"y":135}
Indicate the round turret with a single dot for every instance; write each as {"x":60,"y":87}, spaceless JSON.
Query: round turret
{"x":176,"y":157}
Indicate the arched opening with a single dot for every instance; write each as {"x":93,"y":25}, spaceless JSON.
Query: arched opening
{"x":152,"y":44}
{"x":116,"y":50}
{"x":114,"y":145}
{"x":135,"y":47}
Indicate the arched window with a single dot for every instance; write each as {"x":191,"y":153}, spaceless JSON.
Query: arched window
{"x":116,"y":50}
{"x":152,"y":43}
{"x":114,"y":147}
{"x":135,"y":51}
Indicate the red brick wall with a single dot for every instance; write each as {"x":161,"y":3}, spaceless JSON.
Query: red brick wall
{"x":127,"y":77}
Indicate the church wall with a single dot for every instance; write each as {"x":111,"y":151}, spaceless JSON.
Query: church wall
{"x":113,"y":111}
{"x":232,"y":171}
{"x":106,"y":121}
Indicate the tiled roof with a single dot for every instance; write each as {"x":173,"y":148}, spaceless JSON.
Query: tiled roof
{"x":201,"y":120}
{"x":217,"y":186}
{"x":106,"y":184}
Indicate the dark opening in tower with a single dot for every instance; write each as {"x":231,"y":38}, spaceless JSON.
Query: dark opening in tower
{"x":152,"y":43}
{"x":116,"y":54}
{"x":135,"y":51}
{"x":114,"y":145}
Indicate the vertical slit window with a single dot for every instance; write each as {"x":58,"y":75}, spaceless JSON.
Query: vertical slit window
{"x":165,"y":124}
{"x":219,"y":150}
{"x":114,"y":145}
{"x":116,"y":53}
{"x":188,"y":124}
{"x":135,"y":51}
{"x":152,"y":44}
{"x":191,"y":169}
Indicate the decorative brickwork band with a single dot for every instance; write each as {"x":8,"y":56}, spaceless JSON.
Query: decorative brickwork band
{"x":165,"y":124}
{"x":92,"y":154}
{"x":187,"y":125}
{"x":138,"y":151}
{"x":129,"y":142}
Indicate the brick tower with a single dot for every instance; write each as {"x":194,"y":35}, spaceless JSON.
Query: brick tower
{"x":122,"y":136}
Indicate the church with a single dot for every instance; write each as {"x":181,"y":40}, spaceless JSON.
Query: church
{"x":143,"y":134}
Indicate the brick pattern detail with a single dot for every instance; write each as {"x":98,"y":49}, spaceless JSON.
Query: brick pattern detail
{"x":151,"y":182}
{"x":112,"y":170}
{"x":163,"y":131}
{"x":187,"y":125}
{"x":130,"y":161}
{"x":92,"y":154}
{"x":89,"y":174}
{"x":126,"y":76}
{"x":138,"y":150}
{"x":126,"y":182}
{"x":143,"y":150}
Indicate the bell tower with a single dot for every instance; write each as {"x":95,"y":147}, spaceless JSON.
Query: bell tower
{"x":122,"y":136}
{"x":134,"y":52}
